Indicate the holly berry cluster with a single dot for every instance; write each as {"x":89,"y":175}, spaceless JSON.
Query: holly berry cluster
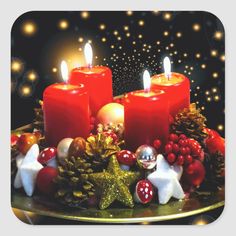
{"x":181,"y":150}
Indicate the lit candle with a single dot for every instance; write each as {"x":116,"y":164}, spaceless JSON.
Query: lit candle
{"x":146,"y":116}
{"x":176,"y":86}
{"x":66,"y":110}
{"x":97,"y":80}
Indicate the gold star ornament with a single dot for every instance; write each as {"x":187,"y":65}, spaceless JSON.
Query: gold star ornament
{"x":114,"y":184}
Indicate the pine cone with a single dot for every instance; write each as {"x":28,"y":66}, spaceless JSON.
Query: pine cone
{"x":73,"y":187}
{"x":190,"y":122}
{"x":100,"y":148}
{"x":215,"y":168}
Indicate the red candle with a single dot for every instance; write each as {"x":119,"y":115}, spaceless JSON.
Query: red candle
{"x":66,"y":111}
{"x":176,"y":86}
{"x":97,"y":80}
{"x":146,"y":117}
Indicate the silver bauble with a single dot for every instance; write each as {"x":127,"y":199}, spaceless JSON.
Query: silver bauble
{"x":63,"y":147}
{"x":146,"y":157}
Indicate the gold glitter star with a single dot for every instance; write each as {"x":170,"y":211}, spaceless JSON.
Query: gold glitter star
{"x":114,"y":184}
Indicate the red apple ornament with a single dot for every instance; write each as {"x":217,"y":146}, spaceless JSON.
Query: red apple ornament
{"x":25,"y":142}
{"x":44,"y":181}
{"x":143,"y":192}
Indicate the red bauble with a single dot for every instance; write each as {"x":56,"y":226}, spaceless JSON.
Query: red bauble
{"x":194,"y":173}
{"x":215,"y":144}
{"x":44,"y":181}
{"x":14,"y":139}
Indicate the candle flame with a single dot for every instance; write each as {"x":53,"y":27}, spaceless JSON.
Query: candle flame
{"x":88,"y":52}
{"x":146,"y":81}
{"x":64,"y":71}
{"x":167,"y":67}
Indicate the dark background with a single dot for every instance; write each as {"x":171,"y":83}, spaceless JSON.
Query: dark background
{"x":41,"y":51}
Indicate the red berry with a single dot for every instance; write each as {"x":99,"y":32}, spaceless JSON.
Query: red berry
{"x":180,"y":160}
{"x":183,"y":150}
{"x":183,"y":142}
{"x":175,"y":148}
{"x":45,"y":180}
{"x":188,"y":159}
{"x":171,"y":143}
{"x":126,"y":157}
{"x":188,"y":150}
{"x":182,"y":136}
{"x":168,"y":148}
{"x":195,"y":150}
{"x":171,"y":158}
{"x":157,"y":143}
{"x":173,"y":137}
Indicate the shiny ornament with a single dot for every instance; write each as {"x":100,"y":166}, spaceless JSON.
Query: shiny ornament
{"x":45,"y":180}
{"x":166,"y":179}
{"x":63,"y":148}
{"x":143,"y":192}
{"x":111,"y":113}
{"x":25,"y":142}
{"x":114,"y":184}
{"x":146,"y":157}
{"x":215,"y":144}
{"x":77,"y":147}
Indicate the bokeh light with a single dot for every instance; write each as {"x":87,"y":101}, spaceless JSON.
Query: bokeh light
{"x":196,"y":27}
{"x":63,"y":24}
{"x":29,"y":28}
{"x":31,"y":76}
{"x":17,"y":66}
{"x":85,"y":14}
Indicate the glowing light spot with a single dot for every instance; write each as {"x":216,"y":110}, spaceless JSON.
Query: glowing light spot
{"x":198,"y":55}
{"x":29,"y":28}
{"x":214,"y":90}
{"x":119,"y":38}
{"x":185,"y":54}
{"x":218,"y":35}
{"x":102,"y":26}
{"x":196,"y":27}
{"x":54,"y":69}
{"x":134,"y":42}
{"x":129,"y":13}
{"x":112,"y":46}
{"x":32,"y":76}
{"x":16,"y":66}
{"x":63,"y":24}
{"x":80,"y":39}
{"x":222,"y":57}
{"x":215,"y":75}
{"x":203,"y":66}
{"x":179,"y":34}
{"x":207,"y":92}
{"x":216,"y":98}
{"x":167,"y":16}
{"x":115,"y":32}
{"x":214,"y":53}
{"x":141,"y":23}
{"x":104,"y":39}
{"x":25,"y":90}
{"x":165,"y":33}
{"x":140,"y":36}
{"x":220,"y":127}
{"x":158,"y":42}
{"x":85,"y":14}
{"x":126,"y":27}
{"x":127,"y":34}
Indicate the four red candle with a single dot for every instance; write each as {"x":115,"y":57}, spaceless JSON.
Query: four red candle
{"x":66,"y":112}
{"x":146,"y":118}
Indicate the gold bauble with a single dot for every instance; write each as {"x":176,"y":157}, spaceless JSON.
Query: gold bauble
{"x":111,"y":113}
